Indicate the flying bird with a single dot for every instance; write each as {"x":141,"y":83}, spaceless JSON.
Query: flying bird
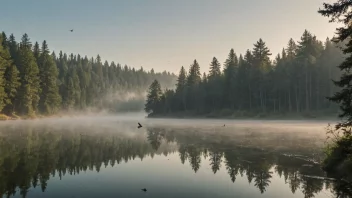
{"x":71,"y":30}
{"x":139,"y":125}
{"x":143,"y":189}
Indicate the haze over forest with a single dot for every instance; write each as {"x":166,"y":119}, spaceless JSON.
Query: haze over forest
{"x":42,"y":79}
{"x":254,"y":69}
{"x":297,"y":81}
{"x":34,"y":79}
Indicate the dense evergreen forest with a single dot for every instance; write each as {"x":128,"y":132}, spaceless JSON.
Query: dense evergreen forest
{"x":296,"y":82}
{"x":35,"y":81}
{"x":41,"y":153}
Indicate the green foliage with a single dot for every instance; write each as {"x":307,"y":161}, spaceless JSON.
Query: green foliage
{"x":339,"y":151}
{"x":214,"y":69}
{"x":193,"y":74}
{"x":28,"y":94}
{"x":50,"y":99}
{"x":296,"y":82}
{"x":5,"y":62}
{"x":3,"y":117}
{"x":153,"y":98}
{"x":34,"y":81}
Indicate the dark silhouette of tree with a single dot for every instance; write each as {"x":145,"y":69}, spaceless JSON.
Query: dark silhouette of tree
{"x":297,"y":81}
{"x":262,"y":179}
{"x":215,"y":158}
{"x":340,"y":12}
{"x":153,"y":97}
{"x":183,"y":153}
{"x":194,"y":157}
{"x":338,"y":159}
{"x":232,"y":165}
{"x":31,"y":158}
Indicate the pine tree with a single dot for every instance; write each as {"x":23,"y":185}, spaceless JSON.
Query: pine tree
{"x":306,"y":57}
{"x":153,"y":98}
{"x":12,"y":83}
{"x":261,"y":55}
{"x":194,"y":74}
{"x":340,"y":11}
{"x":181,"y":81}
{"x":72,"y":91}
{"x":181,"y":88}
{"x":4,"y":42}
{"x":36,"y":51}
{"x":49,"y":98}
{"x":13,"y":48}
{"x":63,"y":69}
{"x":230,"y":72}
{"x":262,"y":67}
{"x":83,"y":84}
{"x":214,"y":68}
{"x":30,"y":87}
{"x":291,"y":49}
{"x":5,"y":62}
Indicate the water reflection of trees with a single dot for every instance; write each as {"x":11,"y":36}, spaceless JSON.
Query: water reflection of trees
{"x":30,"y":158}
{"x":255,"y":163}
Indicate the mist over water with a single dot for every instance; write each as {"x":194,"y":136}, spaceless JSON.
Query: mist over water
{"x":108,"y":156}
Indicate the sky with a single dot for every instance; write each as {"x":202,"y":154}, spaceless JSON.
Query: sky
{"x":163,"y":34}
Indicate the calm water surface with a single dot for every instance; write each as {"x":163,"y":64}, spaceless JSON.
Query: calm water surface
{"x":110,"y":157}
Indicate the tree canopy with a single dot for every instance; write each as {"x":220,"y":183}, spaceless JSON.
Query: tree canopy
{"x":34,"y":80}
{"x":296,"y":82}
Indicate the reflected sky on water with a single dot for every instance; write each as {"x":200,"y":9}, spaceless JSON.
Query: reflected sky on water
{"x":112,"y":158}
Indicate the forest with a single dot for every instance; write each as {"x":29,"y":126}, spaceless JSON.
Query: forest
{"x":43,"y":153}
{"x":297,"y":82}
{"x":35,"y":81}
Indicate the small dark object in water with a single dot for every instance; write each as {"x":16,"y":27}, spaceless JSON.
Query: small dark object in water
{"x":143,"y":189}
{"x":71,"y":30}
{"x":139,"y":125}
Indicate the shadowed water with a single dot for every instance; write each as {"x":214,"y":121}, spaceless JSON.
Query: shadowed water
{"x":110,"y":157}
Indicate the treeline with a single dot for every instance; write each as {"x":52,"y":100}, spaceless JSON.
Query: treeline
{"x":297,"y":81}
{"x":34,"y":80}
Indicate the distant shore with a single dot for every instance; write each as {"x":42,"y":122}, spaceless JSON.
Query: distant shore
{"x":4,"y":117}
{"x":259,"y":116}
{"x":182,"y":115}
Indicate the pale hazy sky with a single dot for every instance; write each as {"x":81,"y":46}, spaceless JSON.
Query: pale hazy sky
{"x":163,"y":34}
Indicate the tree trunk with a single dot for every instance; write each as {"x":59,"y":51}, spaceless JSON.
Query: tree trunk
{"x":330,"y":85}
{"x":289,"y":100}
{"x":318,"y":92}
{"x":310,"y":89}
{"x":297,"y":99}
{"x":250,"y":97}
{"x":307,"y":92}
{"x":261,"y":100}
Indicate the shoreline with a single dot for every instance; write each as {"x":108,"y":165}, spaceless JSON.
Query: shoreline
{"x":287,"y":117}
{"x":267,"y":117}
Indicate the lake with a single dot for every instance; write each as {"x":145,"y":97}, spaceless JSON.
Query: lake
{"x":110,"y":157}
